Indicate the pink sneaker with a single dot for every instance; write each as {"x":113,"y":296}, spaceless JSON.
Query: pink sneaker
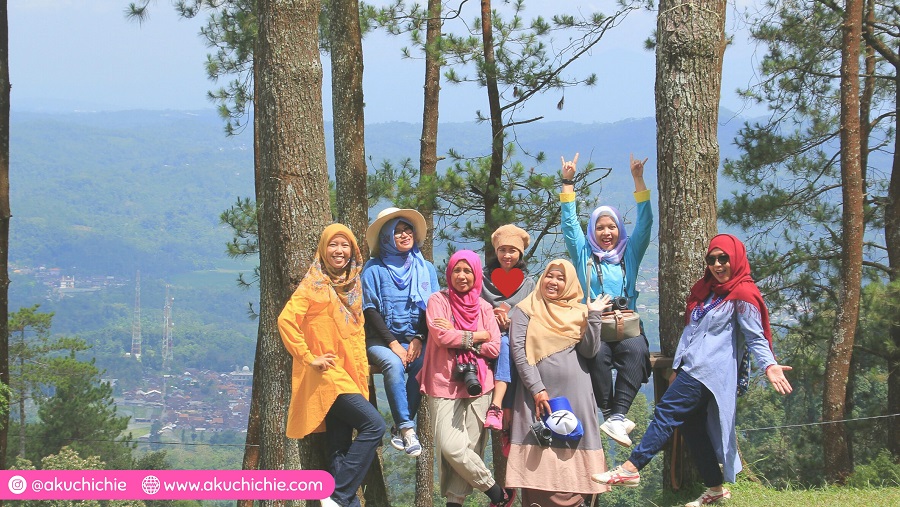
{"x":618,"y":477}
{"x":710,"y":496}
{"x":494,"y":419}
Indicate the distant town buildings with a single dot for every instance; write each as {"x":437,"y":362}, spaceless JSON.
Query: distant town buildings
{"x":195,"y":400}
{"x":60,"y":284}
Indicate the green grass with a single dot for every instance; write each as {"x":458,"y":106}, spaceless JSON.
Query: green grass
{"x":749,"y":494}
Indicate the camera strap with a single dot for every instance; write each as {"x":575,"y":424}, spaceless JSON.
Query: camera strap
{"x":591,"y":267}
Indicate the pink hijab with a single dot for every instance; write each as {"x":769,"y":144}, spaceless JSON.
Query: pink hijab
{"x":465,"y":306}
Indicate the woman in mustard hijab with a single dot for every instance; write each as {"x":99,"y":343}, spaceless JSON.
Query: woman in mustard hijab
{"x":553,"y":336}
{"x":322,"y":328}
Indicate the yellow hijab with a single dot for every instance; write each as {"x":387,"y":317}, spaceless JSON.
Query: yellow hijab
{"x":556,"y":324}
{"x":345,"y":283}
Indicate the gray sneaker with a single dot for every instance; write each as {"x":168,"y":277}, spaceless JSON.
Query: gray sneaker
{"x":413,"y":447}
{"x":396,"y":441}
{"x":629,"y":425}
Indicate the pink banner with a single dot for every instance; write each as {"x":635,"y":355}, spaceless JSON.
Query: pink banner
{"x":165,"y":484}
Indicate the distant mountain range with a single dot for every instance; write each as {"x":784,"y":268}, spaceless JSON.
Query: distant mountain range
{"x":102,"y":195}
{"x":112,"y":192}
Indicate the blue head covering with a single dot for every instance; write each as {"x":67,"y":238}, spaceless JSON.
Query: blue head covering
{"x":408,"y":269}
{"x":613,"y":256}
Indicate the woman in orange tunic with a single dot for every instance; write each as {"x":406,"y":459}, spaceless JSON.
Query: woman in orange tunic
{"x":322,"y":328}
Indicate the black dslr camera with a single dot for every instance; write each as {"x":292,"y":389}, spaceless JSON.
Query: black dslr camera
{"x":542,"y":433}
{"x":619,"y":303}
{"x":467,"y":372}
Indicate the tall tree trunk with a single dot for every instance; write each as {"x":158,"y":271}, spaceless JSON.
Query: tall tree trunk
{"x":5,"y":215}
{"x":892,"y":242}
{"x":428,"y":142}
{"x":292,"y":204}
{"x":427,"y":172}
{"x":837,"y":366}
{"x":254,"y":421}
{"x":690,"y":46}
{"x":349,"y":119}
{"x":492,"y":192}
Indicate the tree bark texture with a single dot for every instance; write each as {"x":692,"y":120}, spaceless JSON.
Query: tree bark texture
{"x":840,"y":351}
{"x":349,"y":125}
{"x":690,"y":46}
{"x":427,"y":172}
{"x":5,"y":216}
{"x":254,"y":430}
{"x":293,"y":208}
{"x":428,"y":141}
{"x":492,"y":193}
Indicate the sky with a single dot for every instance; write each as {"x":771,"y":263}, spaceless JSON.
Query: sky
{"x":84,"y":55}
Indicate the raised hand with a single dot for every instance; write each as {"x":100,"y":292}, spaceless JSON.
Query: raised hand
{"x":637,"y":172}
{"x":569,"y":168}
{"x":600,"y":304}
{"x":637,"y":166}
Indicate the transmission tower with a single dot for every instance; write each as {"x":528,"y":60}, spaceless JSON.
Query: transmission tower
{"x":136,"y":320}
{"x":167,"y":330}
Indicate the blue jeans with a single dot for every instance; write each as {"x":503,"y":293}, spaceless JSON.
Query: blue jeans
{"x":503,"y":368}
{"x":400,"y":384}
{"x":683,"y":405}
{"x":350,"y":458}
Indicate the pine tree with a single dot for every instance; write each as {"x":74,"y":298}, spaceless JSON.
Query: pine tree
{"x":81,"y":414}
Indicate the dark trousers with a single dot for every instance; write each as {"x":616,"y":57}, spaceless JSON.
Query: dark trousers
{"x":351,"y":458}
{"x":631,"y":360}
{"x":684,"y":405}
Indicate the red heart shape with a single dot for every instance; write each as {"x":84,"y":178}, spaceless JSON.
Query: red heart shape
{"x":507,"y":281}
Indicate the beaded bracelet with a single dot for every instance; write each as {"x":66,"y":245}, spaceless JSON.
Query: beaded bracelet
{"x":467,"y":339}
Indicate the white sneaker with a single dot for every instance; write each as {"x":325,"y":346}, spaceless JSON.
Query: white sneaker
{"x":616,"y":431}
{"x":618,"y":477}
{"x":710,"y":496}
{"x":628,"y":425}
{"x":328,"y":502}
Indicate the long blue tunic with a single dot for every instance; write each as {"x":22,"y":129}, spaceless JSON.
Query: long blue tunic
{"x":710,"y":350}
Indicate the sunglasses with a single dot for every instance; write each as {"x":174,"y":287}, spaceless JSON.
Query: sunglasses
{"x":721,"y":258}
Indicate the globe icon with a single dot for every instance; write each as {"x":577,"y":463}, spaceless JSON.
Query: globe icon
{"x":150,"y":485}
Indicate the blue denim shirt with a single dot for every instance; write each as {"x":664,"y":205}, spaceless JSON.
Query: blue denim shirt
{"x":400,"y":313}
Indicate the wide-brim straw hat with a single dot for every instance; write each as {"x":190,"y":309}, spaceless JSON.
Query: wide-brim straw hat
{"x":386,"y":215}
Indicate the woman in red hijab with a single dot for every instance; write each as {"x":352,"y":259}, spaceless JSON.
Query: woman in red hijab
{"x":726,"y":317}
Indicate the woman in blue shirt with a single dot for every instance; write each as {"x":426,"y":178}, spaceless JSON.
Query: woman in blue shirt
{"x":397,"y":282}
{"x":726,"y":316}
{"x":607,"y":260}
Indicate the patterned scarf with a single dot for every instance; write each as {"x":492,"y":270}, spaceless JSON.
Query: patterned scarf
{"x":344,"y":283}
